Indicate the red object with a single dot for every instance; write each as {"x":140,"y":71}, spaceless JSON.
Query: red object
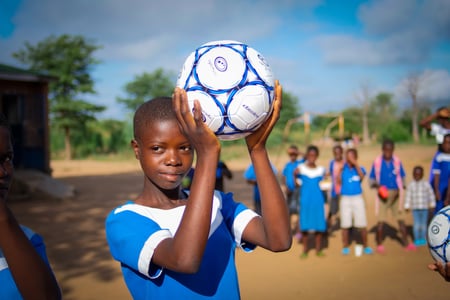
{"x":383,"y":192}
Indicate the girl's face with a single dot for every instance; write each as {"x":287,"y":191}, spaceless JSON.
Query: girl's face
{"x":388,"y":151}
{"x":311,"y":156}
{"x":337,"y":152}
{"x":164,"y":153}
{"x":6,"y":162}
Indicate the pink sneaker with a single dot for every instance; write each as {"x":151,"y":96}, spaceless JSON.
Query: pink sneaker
{"x":410,"y":247}
{"x":380,"y":249}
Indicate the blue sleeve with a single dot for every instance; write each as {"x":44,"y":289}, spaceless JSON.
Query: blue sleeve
{"x":330,"y":166}
{"x":128,"y":235}
{"x":249,"y":174}
{"x":372,"y":172}
{"x":363,"y":170}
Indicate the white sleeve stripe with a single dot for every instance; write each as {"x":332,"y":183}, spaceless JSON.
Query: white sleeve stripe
{"x":147,"y":250}
{"x":3,"y":264}
{"x":240,"y":222}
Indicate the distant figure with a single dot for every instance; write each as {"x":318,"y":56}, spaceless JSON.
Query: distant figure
{"x":250,"y":177}
{"x":441,"y":172}
{"x":440,"y":128}
{"x":312,"y":201}
{"x":387,"y":172}
{"x":353,"y":208}
{"x":222,"y":171}
{"x":420,"y":199}
{"x":292,"y":190}
{"x":334,"y":169}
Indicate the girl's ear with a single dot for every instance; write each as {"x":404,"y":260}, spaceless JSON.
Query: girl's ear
{"x":135,"y":146}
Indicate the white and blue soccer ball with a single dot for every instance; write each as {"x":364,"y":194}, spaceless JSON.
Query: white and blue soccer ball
{"x":439,"y":235}
{"x":234,"y":85}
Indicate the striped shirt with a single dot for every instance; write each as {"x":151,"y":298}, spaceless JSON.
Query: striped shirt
{"x":419,"y":195}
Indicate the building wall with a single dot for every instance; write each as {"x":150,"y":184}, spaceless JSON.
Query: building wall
{"x":25,"y":104}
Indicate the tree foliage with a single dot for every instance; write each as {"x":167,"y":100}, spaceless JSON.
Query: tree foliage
{"x":147,"y":86}
{"x":69,"y":59}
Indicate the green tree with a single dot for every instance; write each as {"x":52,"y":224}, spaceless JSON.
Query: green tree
{"x":147,"y":86}
{"x":290,"y":109}
{"x":69,"y":59}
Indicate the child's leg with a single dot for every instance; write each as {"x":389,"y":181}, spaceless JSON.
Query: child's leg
{"x":379,"y":235}
{"x":345,"y":237}
{"x":363,"y":236}
{"x":318,"y":241}
{"x":305,"y":239}
{"x":423,"y":220}
{"x":416,"y":224}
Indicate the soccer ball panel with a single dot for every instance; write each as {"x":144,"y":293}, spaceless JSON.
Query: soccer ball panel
{"x":212,"y":111}
{"x":261,"y":66}
{"x":249,"y":108}
{"x":220,"y":68}
{"x":234,"y":85}
{"x":439,"y":235}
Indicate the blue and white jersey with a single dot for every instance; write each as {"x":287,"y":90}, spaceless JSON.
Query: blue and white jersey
{"x":133,"y":232}
{"x":351,"y":182}
{"x":8,"y":288}
{"x":441,"y":166}
{"x":288,"y":173}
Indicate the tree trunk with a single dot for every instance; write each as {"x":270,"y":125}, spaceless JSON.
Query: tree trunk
{"x":365,"y":125}
{"x":415,"y":120}
{"x":68,"y":149}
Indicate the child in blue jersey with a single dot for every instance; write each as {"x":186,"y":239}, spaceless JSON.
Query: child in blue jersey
{"x":288,"y":179}
{"x":334,"y":170}
{"x":441,"y":172}
{"x":387,"y":170}
{"x":174,"y":244}
{"x":312,"y":200}
{"x":250,"y":178}
{"x":291,"y":190}
{"x":25,"y":272}
{"x":353,"y":208}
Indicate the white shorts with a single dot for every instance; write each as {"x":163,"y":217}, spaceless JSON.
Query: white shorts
{"x":353,"y":211}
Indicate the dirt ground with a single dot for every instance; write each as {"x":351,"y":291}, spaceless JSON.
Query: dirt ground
{"x":74,"y":233}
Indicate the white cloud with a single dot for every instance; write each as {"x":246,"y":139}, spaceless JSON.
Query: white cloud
{"x":398,"y":32}
{"x":434,"y":86}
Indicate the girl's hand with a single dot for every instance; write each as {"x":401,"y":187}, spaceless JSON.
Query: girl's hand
{"x":191,"y":125}
{"x":257,"y":140}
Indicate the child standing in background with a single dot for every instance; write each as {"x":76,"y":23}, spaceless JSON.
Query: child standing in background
{"x":353,"y":208}
{"x":419,"y":198}
{"x":334,"y":169}
{"x":387,"y":171}
{"x":291,"y":190}
{"x":312,"y":201}
{"x":441,"y":172}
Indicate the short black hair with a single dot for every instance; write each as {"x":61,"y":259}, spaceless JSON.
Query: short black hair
{"x":387,"y":142}
{"x":418,"y":168}
{"x":338,"y":146}
{"x":355,"y":152}
{"x":154,"y":110}
{"x":312,"y":148}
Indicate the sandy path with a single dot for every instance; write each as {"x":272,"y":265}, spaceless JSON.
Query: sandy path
{"x":74,"y":233}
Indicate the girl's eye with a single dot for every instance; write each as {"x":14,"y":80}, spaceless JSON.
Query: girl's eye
{"x":156,"y":149}
{"x":186,"y":148}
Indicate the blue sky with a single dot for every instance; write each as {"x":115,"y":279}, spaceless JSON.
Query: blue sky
{"x":323,"y":52}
